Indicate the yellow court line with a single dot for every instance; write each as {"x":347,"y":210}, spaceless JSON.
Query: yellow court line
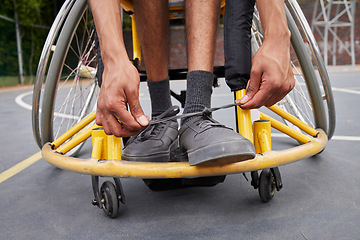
{"x":20,"y":166}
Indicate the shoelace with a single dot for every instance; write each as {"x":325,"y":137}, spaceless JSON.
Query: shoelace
{"x":154,"y":128}
{"x":159,"y":122}
{"x":206,"y":113}
{"x":151,"y":130}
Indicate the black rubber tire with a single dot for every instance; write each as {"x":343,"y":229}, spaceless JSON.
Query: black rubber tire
{"x":109,"y":199}
{"x":267,"y":185}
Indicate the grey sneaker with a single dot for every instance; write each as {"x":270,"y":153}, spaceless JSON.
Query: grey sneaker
{"x":207,"y":142}
{"x":155,"y":142}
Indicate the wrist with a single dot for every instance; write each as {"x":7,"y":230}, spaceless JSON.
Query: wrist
{"x":278,"y":33}
{"x":278,"y":38}
{"x":114,"y":57}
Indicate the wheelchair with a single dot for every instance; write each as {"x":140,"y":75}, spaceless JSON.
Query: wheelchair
{"x":66,"y":90}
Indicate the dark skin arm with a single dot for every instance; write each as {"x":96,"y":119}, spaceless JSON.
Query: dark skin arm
{"x":271,"y":77}
{"x":120,"y":85}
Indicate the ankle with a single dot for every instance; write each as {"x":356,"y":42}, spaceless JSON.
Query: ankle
{"x":160,"y":96}
{"x":198,"y":93}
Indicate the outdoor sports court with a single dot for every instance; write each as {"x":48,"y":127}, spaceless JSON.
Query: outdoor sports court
{"x":320,"y":198}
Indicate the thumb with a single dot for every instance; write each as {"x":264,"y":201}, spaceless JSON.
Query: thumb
{"x":137,"y":112}
{"x":252,"y":87}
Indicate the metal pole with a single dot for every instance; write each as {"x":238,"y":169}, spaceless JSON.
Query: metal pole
{"x":19,"y":50}
{"x":352,"y":33}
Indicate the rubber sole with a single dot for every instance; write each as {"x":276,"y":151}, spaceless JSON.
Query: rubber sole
{"x":222,"y":153}
{"x":156,"y":157}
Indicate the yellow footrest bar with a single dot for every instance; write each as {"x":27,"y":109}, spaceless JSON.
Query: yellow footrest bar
{"x":286,"y":129}
{"x":74,"y":130}
{"x":120,"y":168}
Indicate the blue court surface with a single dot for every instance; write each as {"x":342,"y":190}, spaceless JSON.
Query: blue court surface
{"x":320,"y":198}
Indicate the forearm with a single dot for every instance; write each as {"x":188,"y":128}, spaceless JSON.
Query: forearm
{"x":271,"y":76}
{"x":273,"y":21}
{"x":107,"y":18}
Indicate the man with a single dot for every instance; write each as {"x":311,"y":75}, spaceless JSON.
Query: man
{"x":203,"y":139}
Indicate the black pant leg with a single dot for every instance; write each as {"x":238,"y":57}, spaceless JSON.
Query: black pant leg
{"x":237,"y":42}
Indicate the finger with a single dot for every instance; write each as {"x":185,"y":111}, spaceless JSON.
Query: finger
{"x":262,"y":96}
{"x":98,"y":119}
{"x":281,"y":91}
{"x":272,"y":101}
{"x":112,"y":126}
{"x":129,"y":123}
{"x":257,"y":101}
{"x":106,"y":128}
{"x":115,"y":127}
{"x":137,"y":111}
{"x":252,"y":86}
{"x":291,"y":78}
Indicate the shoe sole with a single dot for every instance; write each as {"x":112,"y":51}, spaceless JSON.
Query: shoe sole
{"x":230,"y":152}
{"x":158,"y":157}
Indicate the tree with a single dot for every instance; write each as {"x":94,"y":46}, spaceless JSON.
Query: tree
{"x":29,"y":17}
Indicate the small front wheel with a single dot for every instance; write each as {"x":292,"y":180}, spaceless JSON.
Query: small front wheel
{"x":267,"y":185}
{"x":109,"y":199}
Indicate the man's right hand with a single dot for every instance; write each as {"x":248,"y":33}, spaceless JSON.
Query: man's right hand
{"x":120,"y":86}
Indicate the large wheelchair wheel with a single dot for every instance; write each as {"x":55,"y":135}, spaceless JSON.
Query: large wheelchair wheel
{"x":308,"y":101}
{"x":322,"y":79}
{"x":71,"y":88}
{"x":42,"y":69}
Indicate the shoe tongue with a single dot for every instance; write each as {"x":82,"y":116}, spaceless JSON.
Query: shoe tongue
{"x":207,"y":121}
{"x":154,"y":129}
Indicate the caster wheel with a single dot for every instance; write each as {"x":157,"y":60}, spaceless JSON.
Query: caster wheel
{"x":109,"y":199}
{"x":267,"y":185}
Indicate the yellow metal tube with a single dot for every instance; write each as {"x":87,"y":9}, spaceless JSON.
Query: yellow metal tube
{"x":76,"y":140}
{"x":97,"y":143}
{"x":75,"y":129}
{"x":262,"y":136}
{"x":98,"y":135}
{"x":113,"y":147}
{"x":127,"y":5}
{"x":135,"y":40}
{"x":297,"y":122}
{"x":116,"y":168}
{"x":105,"y":146}
{"x":243,"y":118}
{"x":286,"y":129}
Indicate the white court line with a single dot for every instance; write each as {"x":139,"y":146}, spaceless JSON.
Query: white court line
{"x":346,"y":90}
{"x":20,"y":102}
{"x":336,"y":138}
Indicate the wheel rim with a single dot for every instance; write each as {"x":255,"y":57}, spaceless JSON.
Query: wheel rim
{"x":106,"y":205}
{"x":71,"y":86}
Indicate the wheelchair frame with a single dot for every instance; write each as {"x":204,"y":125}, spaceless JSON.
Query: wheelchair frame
{"x":106,"y":154}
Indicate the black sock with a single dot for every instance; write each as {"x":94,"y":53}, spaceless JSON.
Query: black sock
{"x":198,"y":92}
{"x":159,"y":96}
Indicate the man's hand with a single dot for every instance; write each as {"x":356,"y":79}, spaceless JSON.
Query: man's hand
{"x":120,"y":80}
{"x":271,"y":77}
{"x":120,"y":86}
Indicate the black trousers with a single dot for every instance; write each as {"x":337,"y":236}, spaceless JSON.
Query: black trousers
{"x":237,"y":42}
